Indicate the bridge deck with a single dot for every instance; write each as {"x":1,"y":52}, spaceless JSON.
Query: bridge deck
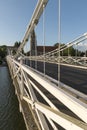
{"x":62,"y":108}
{"x":74,"y":77}
{"x":54,"y":102}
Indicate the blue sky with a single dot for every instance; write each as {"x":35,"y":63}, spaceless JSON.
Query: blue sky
{"x":16,"y":14}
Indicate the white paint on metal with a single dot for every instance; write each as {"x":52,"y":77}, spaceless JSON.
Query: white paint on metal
{"x":74,"y":104}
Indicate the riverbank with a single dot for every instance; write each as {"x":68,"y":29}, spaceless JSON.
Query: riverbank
{"x":4,"y":63}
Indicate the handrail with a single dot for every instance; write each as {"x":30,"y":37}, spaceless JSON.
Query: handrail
{"x":32,"y":78}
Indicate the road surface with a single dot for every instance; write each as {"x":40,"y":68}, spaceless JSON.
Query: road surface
{"x":74,"y":77}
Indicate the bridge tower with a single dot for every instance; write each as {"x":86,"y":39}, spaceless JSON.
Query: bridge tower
{"x":33,"y":43}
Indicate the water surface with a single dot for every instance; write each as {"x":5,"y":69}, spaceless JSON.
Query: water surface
{"x":10,"y":117}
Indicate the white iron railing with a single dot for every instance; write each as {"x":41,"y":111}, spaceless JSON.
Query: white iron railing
{"x":38,"y":91}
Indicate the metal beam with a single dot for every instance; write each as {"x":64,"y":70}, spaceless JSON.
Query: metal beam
{"x":74,"y":104}
{"x":33,"y":22}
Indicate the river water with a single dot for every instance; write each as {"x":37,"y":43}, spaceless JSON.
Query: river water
{"x":10,"y":117}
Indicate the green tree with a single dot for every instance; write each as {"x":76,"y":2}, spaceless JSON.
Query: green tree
{"x":67,"y":51}
{"x":3,"y":51}
{"x":17,"y":44}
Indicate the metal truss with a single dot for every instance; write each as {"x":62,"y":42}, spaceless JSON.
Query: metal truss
{"x":38,"y":91}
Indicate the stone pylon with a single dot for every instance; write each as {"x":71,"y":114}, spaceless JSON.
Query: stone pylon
{"x":33,"y":43}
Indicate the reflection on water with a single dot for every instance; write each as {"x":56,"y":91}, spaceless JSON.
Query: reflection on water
{"x":10,"y":117}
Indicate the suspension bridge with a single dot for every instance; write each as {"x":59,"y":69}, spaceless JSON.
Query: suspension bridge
{"x":46,"y":102}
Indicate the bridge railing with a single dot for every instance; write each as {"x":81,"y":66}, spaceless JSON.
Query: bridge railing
{"x":80,"y":62}
{"x":39,"y":91}
{"x":73,"y":53}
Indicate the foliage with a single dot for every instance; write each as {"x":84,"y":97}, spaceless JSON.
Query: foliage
{"x":57,"y":44}
{"x":0,"y":61}
{"x":17,"y":44}
{"x":71,"y":51}
{"x":3,"y":51}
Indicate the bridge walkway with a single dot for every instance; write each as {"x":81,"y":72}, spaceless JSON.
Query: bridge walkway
{"x":36,"y":91}
{"x":60,"y":106}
